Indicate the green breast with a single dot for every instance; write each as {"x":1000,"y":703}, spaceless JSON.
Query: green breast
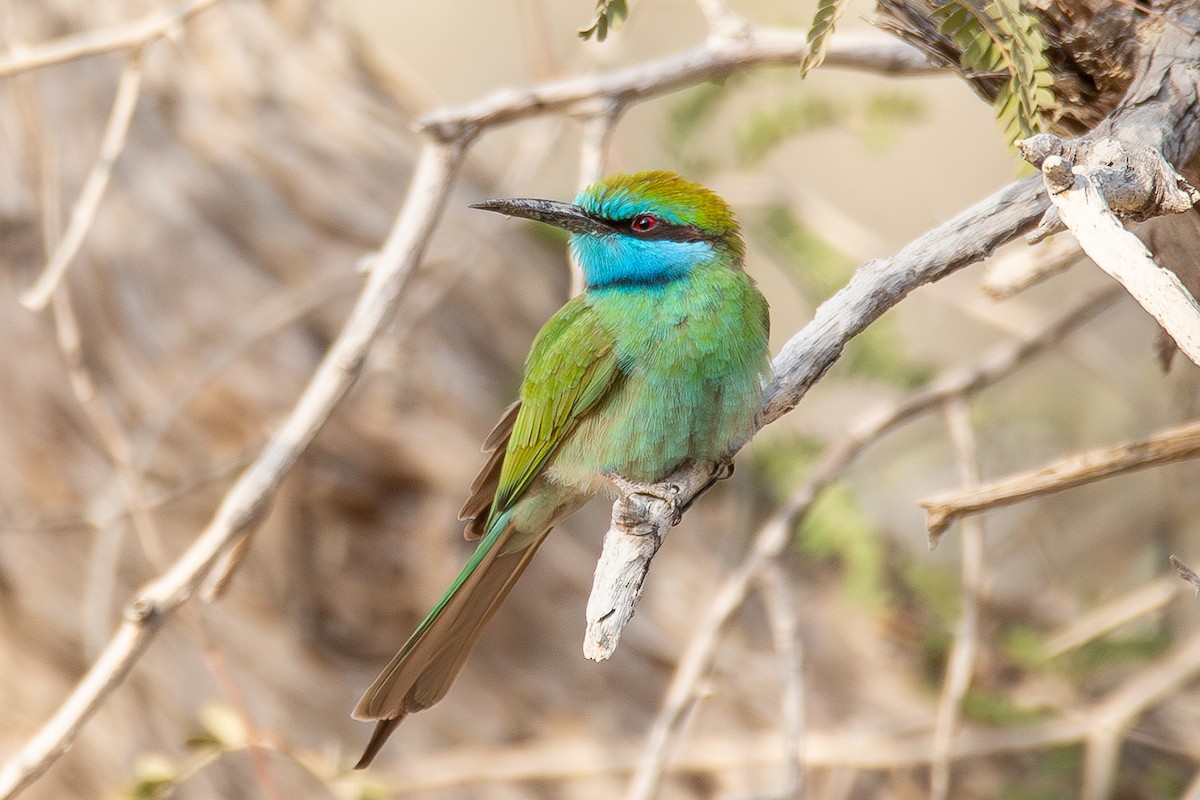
{"x":693,"y":353}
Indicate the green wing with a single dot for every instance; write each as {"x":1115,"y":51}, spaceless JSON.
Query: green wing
{"x":570,"y":368}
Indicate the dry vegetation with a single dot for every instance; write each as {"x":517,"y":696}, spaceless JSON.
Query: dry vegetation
{"x":218,"y":214}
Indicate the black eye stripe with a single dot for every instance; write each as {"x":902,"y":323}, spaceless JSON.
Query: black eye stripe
{"x":662,"y":230}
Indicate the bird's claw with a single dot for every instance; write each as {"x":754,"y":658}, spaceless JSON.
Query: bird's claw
{"x":667,"y":492}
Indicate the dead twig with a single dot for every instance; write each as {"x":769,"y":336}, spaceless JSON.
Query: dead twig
{"x":83,"y":213}
{"x":1173,"y":444}
{"x":961,"y":662}
{"x":1104,"y":619}
{"x":1110,"y":718}
{"x":714,"y":60}
{"x":129,"y":35}
{"x":781,"y":611}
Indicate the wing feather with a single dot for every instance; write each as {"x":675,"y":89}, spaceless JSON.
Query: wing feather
{"x":570,"y":368}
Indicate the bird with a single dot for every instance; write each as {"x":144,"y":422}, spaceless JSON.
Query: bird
{"x":660,"y":362}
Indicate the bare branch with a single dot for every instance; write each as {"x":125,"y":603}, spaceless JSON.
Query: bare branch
{"x":1111,"y":717}
{"x":781,"y":610}
{"x":722,"y":21}
{"x":961,"y":662}
{"x":249,"y":498}
{"x":1015,"y":272}
{"x":84,"y":211}
{"x":1104,"y":619}
{"x":1173,"y":444}
{"x":715,"y":60}
{"x":126,"y":36}
{"x":1139,"y":184}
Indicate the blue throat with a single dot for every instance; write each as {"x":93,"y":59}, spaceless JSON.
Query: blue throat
{"x":616,"y":260}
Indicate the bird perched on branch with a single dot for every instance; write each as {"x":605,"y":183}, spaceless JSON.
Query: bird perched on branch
{"x":660,"y":362}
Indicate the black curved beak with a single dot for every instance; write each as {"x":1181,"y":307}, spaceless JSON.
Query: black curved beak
{"x":561,"y":215}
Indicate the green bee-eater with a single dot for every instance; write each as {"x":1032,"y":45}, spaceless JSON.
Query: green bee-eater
{"x":659,"y":362}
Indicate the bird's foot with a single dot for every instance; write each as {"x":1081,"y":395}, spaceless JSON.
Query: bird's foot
{"x":722,"y":469}
{"x":667,"y":492}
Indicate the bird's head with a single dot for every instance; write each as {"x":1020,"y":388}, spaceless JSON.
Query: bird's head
{"x":640,"y":229}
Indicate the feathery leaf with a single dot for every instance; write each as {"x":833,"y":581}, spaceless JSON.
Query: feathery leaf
{"x":609,"y":14}
{"x":819,"y":33}
{"x":999,"y":39}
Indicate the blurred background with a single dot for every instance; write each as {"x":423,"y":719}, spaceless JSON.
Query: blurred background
{"x":268,"y":154}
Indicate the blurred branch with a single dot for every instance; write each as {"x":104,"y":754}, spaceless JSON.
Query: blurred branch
{"x":563,"y":758}
{"x":567,"y":758}
{"x":136,"y":34}
{"x":961,"y":661}
{"x":1104,"y":619}
{"x":781,"y":611}
{"x":1110,"y":718}
{"x":773,"y":537}
{"x":1014,"y":272}
{"x":83,"y":213}
{"x":722,"y":21}
{"x":249,"y":498}
{"x":713,"y":61}
{"x":1173,"y":444}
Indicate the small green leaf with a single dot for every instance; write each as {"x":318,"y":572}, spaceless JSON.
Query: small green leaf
{"x":998,"y":36}
{"x":609,"y":14}
{"x":224,"y":725}
{"x":819,"y":33}
{"x":154,"y":775}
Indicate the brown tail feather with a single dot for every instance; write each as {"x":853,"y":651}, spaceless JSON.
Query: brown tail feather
{"x":421,"y":677}
{"x":383,"y":729}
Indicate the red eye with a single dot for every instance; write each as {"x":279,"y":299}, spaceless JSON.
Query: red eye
{"x":643,"y":223}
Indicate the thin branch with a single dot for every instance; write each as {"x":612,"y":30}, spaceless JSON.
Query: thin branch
{"x":774,"y":536}
{"x":247,"y":501}
{"x":124,"y":36}
{"x":1111,"y":718}
{"x":961,"y":662}
{"x":1015,"y":272}
{"x":723,"y":23}
{"x":781,"y":611}
{"x":1104,"y":619}
{"x":1173,"y":444}
{"x":712,"y":61}
{"x":83,"y":213}
{"x":565,"y":758}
